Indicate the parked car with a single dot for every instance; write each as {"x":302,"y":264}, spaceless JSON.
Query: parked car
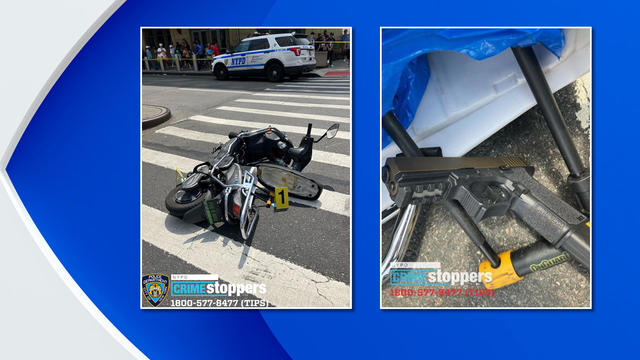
{"x":274,"y":56}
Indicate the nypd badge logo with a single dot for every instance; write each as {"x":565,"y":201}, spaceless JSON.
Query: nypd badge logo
{"x":155,"y":288}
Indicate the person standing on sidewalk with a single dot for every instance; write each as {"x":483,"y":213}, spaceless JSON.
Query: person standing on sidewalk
{"x":208,"y":51}
{"x":312,"y":39}
{"x":186,"y":56}
{"x":209,"y":54}
{"x":150,"y":57}
{"x":178,"y":50}
{"x":162,"y":55}
{"x":331,"y":39}
{"x":345,"y":45}
{"x":198,"y":53}
{"x":214,"y":49}
{"x":320,"y":45}
{"x":172,"y":54}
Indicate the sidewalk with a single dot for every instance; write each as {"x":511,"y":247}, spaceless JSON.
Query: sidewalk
{"x":340,"y":66}
{"x":153,"y":115}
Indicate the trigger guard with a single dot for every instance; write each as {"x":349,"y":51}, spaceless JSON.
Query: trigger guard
{"x":477,"y":207}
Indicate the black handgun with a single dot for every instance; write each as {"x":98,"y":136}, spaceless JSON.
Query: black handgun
{"x":474,"y":188}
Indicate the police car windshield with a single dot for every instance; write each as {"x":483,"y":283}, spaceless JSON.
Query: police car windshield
{"x":242,"y":46}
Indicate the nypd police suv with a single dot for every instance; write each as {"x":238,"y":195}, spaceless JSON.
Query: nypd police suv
{"x":272,"y":55}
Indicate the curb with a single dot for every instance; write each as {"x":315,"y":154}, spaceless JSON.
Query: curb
{"x":155,"y":115}
{"x":199,"y":73}
{"x":206,"y":73}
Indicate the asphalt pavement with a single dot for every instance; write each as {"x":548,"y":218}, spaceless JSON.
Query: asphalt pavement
{"x":438,"y":237}
{"x":302,"y":254}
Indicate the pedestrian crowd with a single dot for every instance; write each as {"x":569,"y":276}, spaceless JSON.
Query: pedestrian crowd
{"x":327,"y":42}
{"x":182,"y":53}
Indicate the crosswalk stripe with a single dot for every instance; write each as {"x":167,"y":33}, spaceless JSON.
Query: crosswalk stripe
{"x":215,"y":90}
{"x":295,"y":104}
{"x":331,"y":201}
{"x":301,"y":96}
{"x":310,"y":91}
{"x":317,"y":156}
{"x":345,"y":86}
{"x":287,"y":284}
{"x":288,"y":114}
{"x":283,"y":95}
{"x":321,"y":81}
{"x":346,"y":135}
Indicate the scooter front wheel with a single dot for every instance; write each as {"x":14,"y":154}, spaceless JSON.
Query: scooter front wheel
{"x":180,"y":208}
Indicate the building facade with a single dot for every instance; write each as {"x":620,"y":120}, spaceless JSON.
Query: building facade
{"x":226,"y":38}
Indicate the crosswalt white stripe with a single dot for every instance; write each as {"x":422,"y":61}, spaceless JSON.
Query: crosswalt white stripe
{"x":301,"y":96}
{"x":321,"y":79}
{"x":346,"y":98}
{"x":346,"y":135}
{"x":345,"y":86}
{"x":316,"y":84}
{"x":216,"y":90}
{"x":319,"y":82}
{"x":287,"y":284}
{"x":295,"y":104}
{"x":287,"y":114}
{"x":318,"y":156}
{"x":331,"y":201}
{"x":310,"y":91}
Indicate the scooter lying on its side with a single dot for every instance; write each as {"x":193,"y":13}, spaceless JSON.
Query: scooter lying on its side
{"x":260,"y":164}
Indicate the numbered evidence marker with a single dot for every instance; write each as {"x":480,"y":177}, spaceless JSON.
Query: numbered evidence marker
{"x":282,"y":198}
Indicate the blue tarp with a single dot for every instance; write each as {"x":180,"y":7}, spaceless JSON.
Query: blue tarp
{"x":405,"y":69}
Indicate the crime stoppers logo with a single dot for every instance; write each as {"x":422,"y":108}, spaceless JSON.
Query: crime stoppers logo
{"x":431,"y":274}
{"x":155,"y":288}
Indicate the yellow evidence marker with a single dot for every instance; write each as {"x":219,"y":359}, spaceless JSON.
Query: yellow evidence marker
{"x":282,"y":198}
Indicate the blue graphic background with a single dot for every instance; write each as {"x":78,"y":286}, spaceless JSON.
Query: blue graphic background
{"x":80,"y":154}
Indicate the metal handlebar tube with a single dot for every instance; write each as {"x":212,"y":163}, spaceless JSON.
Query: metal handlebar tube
{"x":401,"y":236}
{"x":471,"y":229}
{"x":248,"y":188}
{"x":399,"y":135}
{"x":579,"y":177}
{"x":390,"y":216}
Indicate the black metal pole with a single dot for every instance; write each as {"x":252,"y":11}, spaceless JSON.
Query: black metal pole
{"x":471,"y":229}
{"x":399,"y":135}
{"x":544,"y":97}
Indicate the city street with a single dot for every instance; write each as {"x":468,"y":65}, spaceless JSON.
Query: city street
{"x":303,"y":255}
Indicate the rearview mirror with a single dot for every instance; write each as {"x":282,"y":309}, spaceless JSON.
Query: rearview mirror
{"x":332,"y":131}
{"x":298,"y":185}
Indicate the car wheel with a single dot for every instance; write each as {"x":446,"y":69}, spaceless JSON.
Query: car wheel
{"x":221,"y":72}
{"x":275,"y":72}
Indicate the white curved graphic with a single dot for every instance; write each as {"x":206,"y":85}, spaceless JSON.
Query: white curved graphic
{"x":54,"y":319}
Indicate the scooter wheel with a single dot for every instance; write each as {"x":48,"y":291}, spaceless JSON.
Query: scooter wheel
{"x":179,"y":209}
